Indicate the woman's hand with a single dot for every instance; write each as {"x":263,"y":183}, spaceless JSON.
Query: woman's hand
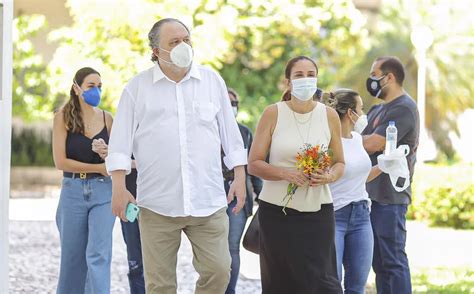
{"x":294,"y":176}
{"x":103,"y":170}
{"x":100,"y":147}
{"x":320,"y":177}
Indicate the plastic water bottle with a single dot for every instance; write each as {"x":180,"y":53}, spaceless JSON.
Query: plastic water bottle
{"x":391,"y":138}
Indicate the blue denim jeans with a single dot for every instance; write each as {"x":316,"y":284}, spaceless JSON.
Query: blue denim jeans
{"x":131,"y":236}
{"x":390,"y":264}
{"x":85,"y":223}
{"x":236,"y":229}
{"x":354,"y":245}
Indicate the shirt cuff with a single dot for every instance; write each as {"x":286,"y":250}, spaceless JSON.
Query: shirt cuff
{"x":236,"y":158}
{"x":118,"y":161}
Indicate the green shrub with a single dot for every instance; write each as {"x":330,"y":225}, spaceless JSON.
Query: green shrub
{"x":446,"y":206}
{"x":30,"y":148}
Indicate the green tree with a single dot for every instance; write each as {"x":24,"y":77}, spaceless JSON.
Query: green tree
{"x":450,"y":59}
{"x":248,"y":42}
{"x":31,"y":99}
{"x":267,"y":35}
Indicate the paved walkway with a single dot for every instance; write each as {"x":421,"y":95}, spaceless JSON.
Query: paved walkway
{"x":34,"y":252}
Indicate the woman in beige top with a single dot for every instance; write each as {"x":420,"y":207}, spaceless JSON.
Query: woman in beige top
{"x":297,"y":251}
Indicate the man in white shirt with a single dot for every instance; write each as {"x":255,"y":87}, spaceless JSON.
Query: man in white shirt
{"x":175,"y":117}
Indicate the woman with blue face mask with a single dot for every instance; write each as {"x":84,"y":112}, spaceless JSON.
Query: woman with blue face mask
{"x":297,"y":250}
{"x":354,"y":237}
{"x":84,"y":216}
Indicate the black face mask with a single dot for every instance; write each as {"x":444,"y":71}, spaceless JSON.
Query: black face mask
{"x":374,"y":87}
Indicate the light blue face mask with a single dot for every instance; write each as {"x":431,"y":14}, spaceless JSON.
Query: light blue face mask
{"x":91,"y":96}
{"x":304,"y":88}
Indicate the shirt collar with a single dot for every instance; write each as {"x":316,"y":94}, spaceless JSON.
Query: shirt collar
{"x":193,"y":73}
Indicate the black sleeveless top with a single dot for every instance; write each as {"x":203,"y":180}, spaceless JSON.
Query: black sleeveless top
{"x":79,"y":147}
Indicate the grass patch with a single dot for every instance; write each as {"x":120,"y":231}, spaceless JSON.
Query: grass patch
{"x":443,"y":280}
{"x":436,"y":280}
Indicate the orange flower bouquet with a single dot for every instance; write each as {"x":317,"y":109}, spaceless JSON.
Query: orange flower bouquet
{"x":309,"y":159}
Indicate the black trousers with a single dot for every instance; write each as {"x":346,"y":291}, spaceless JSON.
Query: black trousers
{"x":297,"y":251}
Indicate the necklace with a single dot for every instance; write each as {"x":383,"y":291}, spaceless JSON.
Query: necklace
{"x":89,"y":125}
{"x":302,"y":122}
{"x":310,"y":119}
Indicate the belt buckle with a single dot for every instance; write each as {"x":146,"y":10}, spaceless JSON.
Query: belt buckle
{"x":82,"y":175}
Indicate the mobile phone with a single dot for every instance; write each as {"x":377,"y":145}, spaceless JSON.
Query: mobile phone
{"x":131,"y":212}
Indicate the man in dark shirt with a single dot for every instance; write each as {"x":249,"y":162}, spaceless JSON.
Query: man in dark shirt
{"x":389,"y":207}
{"x":253,"y":185}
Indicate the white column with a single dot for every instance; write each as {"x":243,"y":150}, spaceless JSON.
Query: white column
{"x":422,"y":38}
{"x":6,"y":47}
{"x":421,"y":89}
{"x":425,"y":149}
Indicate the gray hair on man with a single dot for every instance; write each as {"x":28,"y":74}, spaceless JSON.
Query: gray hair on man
{"x":154,"y":34}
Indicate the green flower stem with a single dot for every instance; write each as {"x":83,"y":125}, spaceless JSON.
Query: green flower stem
{"x":290,"y":191}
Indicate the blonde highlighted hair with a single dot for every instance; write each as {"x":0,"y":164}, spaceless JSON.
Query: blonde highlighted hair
{"x":341,"y":100}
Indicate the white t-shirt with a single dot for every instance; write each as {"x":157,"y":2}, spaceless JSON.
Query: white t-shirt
{"x":351,"y":186}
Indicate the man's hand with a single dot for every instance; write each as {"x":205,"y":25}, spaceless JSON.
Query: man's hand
{"x":120,"y":195}
{"x":237,"y":189}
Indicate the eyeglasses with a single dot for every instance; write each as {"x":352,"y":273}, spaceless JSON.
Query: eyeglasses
{"x":234,"y":103}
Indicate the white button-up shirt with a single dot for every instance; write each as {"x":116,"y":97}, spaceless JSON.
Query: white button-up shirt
{"x":175,"y":132}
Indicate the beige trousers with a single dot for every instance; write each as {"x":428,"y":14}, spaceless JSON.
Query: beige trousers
{"x":161,"y":237}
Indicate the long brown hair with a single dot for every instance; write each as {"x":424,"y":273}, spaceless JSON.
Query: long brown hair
{"x":341,"y":100}
{"x":289,"y":67}
{"x":72,"y":109}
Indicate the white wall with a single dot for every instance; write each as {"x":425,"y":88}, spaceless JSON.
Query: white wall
{"x":6,"y":17}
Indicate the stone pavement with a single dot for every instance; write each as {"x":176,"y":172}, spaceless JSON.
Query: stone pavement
{"x":34,"y":261}
{"x":34,"y":252}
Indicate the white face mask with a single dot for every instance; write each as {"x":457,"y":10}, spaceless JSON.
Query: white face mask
{"x":361,"y":123}
{"x":235,"y":109}
{"x":304,"y":88}
{"x":181,"y":55}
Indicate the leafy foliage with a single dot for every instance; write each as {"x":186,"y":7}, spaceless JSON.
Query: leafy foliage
{"x":440,"y":191}
{"x":31,"y":97}
{"x":449,"y":90}
{"x":268,"y":35}
{"x":248,"y":42}
{"x":31,"y":148}
{"x":447,"y":206}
